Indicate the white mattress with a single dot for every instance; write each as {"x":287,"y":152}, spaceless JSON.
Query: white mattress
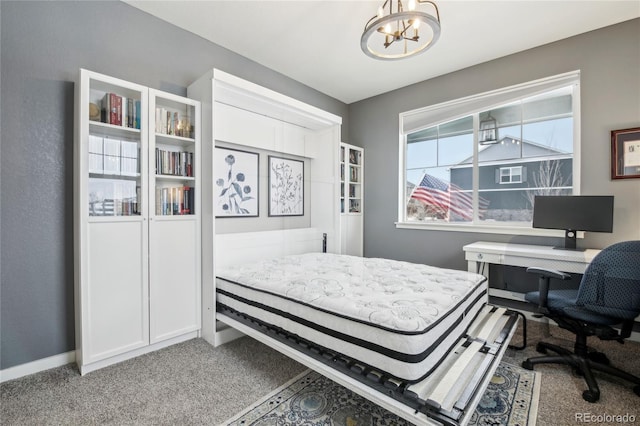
{"x":398,"y":317}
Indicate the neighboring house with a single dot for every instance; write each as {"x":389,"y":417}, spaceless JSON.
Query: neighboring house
{"x":512,"y":172}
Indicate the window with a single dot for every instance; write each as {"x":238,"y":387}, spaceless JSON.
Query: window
{"x":510,"y":174}
{"x":480,"y":161}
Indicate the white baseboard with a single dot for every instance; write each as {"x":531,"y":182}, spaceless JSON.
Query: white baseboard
{"x":70,"y":357}
{"x":37,"y":366}
{"x":96,"y":365}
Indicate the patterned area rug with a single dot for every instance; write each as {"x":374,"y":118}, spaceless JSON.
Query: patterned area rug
{"x":311,"y":399}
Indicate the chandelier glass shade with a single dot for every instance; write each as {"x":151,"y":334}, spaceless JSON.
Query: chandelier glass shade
{"x":400,"y":31}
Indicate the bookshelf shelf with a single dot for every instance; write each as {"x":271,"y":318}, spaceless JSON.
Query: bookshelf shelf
{"x":115,"y":219}
{"x":175,"y":178}
{"x":134,"y":177}
{"x":178,"y":141}
{"x":137,"y":279}
{"x":106,"y":129}
{"x":184,"y":217}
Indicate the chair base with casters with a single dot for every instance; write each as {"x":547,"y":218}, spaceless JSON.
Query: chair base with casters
{"x":583,"y":363}
{"x":561,"y":307}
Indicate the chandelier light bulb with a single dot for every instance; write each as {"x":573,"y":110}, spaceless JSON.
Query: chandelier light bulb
{"x":412,"y":5}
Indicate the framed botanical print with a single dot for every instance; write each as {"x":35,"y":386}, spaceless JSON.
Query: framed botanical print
{"x":236,"y":178}
{"x":286,"y":187}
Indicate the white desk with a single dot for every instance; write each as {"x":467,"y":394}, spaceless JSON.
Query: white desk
{"x":479,"y":254}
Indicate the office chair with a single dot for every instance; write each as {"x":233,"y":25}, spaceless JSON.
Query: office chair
{"x":609,"y":294}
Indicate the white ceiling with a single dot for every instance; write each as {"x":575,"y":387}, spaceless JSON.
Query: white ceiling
{"x":318,"y":42}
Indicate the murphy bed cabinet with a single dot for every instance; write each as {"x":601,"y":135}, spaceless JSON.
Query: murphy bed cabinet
{"x":136,"y":220}
{"x":351,"y":198}
{"x":253,"y":118}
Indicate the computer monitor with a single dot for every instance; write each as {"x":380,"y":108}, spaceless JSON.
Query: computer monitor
{"x":593,"y":213}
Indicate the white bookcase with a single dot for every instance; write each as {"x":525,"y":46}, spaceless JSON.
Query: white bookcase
{"x":123,"y":250}
{"x":351,"y":198}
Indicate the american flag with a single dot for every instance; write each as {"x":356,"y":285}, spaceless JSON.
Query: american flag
{"x":447,"y":199}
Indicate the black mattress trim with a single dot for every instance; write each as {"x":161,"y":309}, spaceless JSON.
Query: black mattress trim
{"x":423,"y":331}
{"x":400,"y":356}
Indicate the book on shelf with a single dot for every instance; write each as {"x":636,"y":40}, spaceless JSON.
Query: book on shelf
{"x":113,"y":157}
{"x":120,"y":111}
{"x":129,"y":159}
{"x":111,"y":160}
{"x":175,"y":201}
{"x":354,"y":157}
{"x":124,"y":112}
{"x":130,"y":111}
{"x":136,"y":114}
{"x":353,"y":174}
{"x":174,"y":163}
{"x":172,"y":123}
{"x":96,"y":154}
{"x":113,"y":197}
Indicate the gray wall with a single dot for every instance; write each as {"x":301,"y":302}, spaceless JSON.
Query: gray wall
{"x":609,"y":60}
{"x":43,"y":44}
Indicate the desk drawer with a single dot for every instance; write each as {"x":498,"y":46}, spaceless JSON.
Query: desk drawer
{"x":484,"y":257}
{"x":560,"y":265}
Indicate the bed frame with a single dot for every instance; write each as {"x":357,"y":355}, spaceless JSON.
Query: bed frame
{"x":448,"y":396}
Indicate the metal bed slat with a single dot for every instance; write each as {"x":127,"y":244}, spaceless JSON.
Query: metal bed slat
{"x":436,"y":399}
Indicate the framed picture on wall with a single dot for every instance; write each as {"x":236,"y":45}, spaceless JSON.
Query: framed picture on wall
{"x":235,"y":179}
{"x":625,"y":153}
{"x":286,"y":187}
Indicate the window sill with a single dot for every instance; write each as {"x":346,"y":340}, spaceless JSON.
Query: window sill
{"x":525,"y":229}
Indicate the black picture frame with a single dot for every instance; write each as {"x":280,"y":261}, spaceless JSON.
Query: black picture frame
{"x":237,"y":183}
{"x":286,"y":186}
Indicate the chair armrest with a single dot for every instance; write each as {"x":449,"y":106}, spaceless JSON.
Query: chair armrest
{"x":545,"y":276}
{"x":549,"y":273}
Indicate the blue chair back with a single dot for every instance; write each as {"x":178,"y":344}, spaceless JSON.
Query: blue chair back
{"x":611,"y":284}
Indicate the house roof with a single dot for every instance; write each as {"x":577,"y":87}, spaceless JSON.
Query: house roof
{"x":512,"y":148}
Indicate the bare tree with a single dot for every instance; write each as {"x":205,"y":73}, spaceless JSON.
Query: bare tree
{"x":548,"y":180}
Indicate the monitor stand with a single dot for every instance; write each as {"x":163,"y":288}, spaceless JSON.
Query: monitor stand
{"x":569,"y":241}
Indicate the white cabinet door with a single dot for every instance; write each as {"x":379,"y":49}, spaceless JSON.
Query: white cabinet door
{"x":115,"y":305}
{"x":174,"y":277}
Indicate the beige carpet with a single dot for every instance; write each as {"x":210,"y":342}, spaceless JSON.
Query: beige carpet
{"x":561,"y":391}
{"x":193,"y":383}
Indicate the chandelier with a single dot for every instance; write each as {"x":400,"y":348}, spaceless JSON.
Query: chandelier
{"x":396,"y":32}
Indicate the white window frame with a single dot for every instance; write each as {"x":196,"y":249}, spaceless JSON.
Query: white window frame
{"x":422,"y":118}
{"x":510,"y":175}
